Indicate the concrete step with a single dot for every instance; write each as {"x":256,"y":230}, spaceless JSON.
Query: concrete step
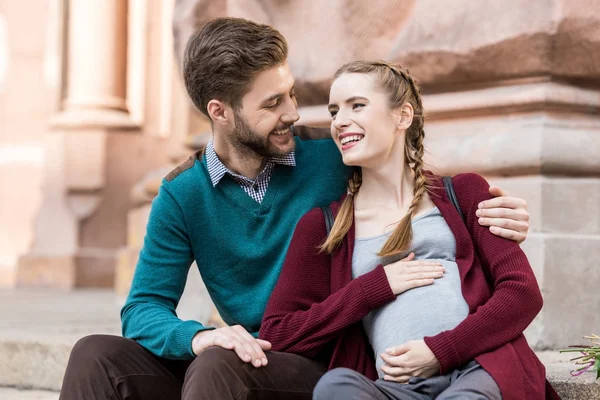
{"x":569,"y":387}
{"x":38,"y":330}
{"x":22,"y":394}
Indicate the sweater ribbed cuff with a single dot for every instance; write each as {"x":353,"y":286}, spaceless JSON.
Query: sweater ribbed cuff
{"x":182,"y":339}
{"x":444,"y":351}
{"x":376,"y":287}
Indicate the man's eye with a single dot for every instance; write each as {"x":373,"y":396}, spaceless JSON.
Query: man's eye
{"x":277,"y":102}
{"x":357,"y":105}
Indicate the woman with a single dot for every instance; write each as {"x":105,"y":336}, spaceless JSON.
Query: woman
{"x":433,"y":306}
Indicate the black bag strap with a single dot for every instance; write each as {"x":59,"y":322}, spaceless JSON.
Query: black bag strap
{"x":328,"y":214}
{"x":452,"y":195}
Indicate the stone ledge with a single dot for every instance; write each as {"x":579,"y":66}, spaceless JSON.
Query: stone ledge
{"x":573,"y":387}
{"x":569,"y":387}
{"x":7,"y":393}
{"x":33,"y":365}
{"x":39,"y":365}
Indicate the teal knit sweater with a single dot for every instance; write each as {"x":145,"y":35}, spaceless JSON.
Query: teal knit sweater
{"x":238,"y":244}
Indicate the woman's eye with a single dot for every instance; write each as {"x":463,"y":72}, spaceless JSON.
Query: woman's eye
{"x":333,"y":113}
{"x":357,"y":105}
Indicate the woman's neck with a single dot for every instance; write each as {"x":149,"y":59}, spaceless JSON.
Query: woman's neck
{"x":388,"y":186}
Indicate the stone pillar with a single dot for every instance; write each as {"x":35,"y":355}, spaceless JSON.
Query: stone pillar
{"x":97,"y":66}
{"x":63,"y":255}
{"x":538,"y":140}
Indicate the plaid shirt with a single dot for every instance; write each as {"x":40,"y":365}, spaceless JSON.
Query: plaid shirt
{"x":255,"y":188}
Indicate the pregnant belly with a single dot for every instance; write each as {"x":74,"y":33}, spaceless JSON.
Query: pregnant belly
{"x":417,"y":313}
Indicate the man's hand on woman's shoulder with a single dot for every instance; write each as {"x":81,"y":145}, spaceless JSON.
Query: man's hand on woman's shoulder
{"x":506,"y":216}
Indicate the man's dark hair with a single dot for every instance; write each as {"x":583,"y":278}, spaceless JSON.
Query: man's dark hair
{"x":222,"y":58}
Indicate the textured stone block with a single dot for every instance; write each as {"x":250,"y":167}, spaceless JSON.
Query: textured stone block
{"x":33,"y":364}
{"x":534,"y":249}
{"x":571,"y":282}
{"x":571,"y":205}
{"x":137,"y":219}
{"x":556,"y":204}
{"x":528,"y":188}
{"x":46,"y":271}
{"x":85,"y":154}
{"x":95,"y":268}
{"x":440,"y":45}
{"x":516,"y":144}
{"x":126,"y":261}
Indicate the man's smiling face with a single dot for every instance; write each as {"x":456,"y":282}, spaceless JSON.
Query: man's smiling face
{"x":266,"y":112}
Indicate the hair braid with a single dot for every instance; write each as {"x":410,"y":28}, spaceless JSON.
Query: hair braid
{"x":344,"y":218}
{"x":414,"y":150}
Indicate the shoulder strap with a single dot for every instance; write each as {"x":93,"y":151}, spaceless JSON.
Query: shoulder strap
{"x":328,"y":214}
{"x":452,"y":195}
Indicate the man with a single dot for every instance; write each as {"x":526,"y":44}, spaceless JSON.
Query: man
{"x":232,"y":209}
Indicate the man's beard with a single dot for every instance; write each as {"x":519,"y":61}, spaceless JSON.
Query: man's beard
{"x":245,"y":139}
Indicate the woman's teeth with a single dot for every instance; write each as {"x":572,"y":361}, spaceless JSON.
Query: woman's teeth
{"x":349,"y":139}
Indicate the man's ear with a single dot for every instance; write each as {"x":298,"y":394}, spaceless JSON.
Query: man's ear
{"x":406,"y":116}
{"x":218,"y":112}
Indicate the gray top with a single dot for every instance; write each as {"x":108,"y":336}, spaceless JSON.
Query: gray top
{"x":419,"y":312}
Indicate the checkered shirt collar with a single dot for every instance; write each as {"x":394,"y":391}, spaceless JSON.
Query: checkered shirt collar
{"x":217,"y":170}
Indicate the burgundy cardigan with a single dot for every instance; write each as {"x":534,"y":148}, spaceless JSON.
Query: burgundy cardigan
{"x":316,"y":308}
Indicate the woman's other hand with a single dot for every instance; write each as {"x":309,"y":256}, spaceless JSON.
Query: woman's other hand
{"x":413,"y":358}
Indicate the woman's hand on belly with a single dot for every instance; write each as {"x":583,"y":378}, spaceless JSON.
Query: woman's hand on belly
{"x":408,"y":273}
{"x":413,"y":358}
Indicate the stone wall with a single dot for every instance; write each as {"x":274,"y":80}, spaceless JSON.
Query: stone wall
{"x":511,"y":92}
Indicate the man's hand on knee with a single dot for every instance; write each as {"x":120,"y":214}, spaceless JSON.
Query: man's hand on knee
{"x":506,"y":216}
{"x":234,"y":338}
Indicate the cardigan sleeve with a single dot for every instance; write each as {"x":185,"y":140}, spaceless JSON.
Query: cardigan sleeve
{"x":515,"y":298}
{"x":303,"y":315}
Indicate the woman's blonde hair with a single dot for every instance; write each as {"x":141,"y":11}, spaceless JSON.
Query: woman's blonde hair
{"x":402,"y":88}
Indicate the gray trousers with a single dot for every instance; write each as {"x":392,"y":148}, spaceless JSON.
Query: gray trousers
{"x":471,"y":382}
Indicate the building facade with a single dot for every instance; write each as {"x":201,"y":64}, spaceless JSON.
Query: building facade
{"x":93,"y":113}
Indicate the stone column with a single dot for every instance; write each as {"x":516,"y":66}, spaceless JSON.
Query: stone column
{"x":97,"y":66}
{"x":63,"y":254}
{"x":538,"y":140}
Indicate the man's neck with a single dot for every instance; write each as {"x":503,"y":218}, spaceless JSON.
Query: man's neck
{"x":243,"y":162}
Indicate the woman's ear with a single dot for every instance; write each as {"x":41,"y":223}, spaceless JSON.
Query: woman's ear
{"x":406,"y":116}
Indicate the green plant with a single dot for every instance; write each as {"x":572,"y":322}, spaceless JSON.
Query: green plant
{"x":590,"y":357}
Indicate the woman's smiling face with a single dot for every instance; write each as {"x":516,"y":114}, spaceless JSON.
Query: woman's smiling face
{"x":363,"y":126}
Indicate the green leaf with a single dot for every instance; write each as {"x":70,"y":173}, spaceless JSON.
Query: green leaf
{"x":597,"y":368}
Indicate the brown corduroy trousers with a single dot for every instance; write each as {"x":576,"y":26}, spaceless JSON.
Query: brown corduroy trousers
{"x":113,"y":368}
